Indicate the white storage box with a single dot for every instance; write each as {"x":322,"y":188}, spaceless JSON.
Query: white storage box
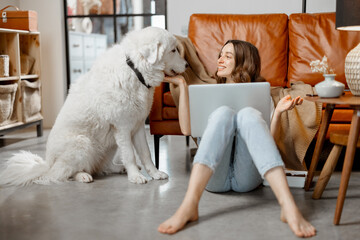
{"x":295,"y":179}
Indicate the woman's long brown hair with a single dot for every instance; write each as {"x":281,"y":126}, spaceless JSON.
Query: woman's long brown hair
{"x":247,"y":63}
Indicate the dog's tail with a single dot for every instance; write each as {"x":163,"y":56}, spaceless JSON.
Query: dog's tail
{"x":23,"y":169}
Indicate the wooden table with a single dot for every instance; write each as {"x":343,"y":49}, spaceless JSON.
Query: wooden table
{"x":354,"y":103}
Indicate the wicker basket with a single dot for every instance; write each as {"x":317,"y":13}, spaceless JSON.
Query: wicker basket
{"x":7,"y":98}
{"x":31,"y":100}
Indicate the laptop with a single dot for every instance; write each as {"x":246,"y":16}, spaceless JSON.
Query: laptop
{"x":205,"y":98}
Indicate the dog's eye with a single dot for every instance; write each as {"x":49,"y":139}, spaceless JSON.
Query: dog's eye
{"x":174,"y":50}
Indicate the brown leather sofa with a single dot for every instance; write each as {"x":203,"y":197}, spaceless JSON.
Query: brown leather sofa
{"x":287,"y":45}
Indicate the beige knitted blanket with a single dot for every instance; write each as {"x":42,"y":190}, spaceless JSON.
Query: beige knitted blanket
{"x":297,"y":127}
{"x":195,"y":73}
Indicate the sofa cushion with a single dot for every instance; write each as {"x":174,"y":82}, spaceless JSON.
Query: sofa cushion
{"x":341,"y":115}
{"x":168,"y":99}
{"x":170,"y":113}
{"x":169,"y":127}
{"x":268,"y":32}
{"x":311,"y":36}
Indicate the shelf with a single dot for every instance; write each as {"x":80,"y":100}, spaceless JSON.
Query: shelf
{"x":33,"y":33}
{"x":7,"y":30}
{"x":11,"y":125}
{"x":9,"y":78}
{"x":31,"y":76}
{"x":20,"y":125}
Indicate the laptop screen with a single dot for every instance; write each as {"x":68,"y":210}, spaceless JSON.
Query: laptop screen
{"x":205,"y":98}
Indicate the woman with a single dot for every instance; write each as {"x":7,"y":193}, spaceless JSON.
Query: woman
{"x":240,"y":165}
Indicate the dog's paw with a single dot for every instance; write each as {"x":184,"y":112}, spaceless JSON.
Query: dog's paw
{"x":158,"y":175}
{"x":137,"y":178}
{"x":83,"y":177}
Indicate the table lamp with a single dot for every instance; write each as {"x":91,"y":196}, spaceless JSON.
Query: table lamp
{"x":348,"y":19}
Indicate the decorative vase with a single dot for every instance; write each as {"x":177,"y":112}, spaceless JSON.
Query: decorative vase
{"x":329,"y":88}
{"x":352,"y":70}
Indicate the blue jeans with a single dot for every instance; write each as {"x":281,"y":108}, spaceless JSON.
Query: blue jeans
{"x":239,"y":148}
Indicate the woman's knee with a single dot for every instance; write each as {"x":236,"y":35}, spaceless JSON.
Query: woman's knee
{"x":223,"y":115}
{"x":249,"y":116}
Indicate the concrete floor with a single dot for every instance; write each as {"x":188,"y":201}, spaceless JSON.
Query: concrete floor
{"x":113,"y":208}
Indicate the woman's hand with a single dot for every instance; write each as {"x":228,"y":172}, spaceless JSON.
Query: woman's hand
{"x":177,"y":80}
{"x":286,"y":103}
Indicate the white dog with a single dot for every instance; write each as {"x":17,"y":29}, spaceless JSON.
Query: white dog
{"x":104,"y":112}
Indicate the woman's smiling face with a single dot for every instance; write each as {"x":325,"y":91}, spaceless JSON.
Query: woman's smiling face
{"x":226,"y":62}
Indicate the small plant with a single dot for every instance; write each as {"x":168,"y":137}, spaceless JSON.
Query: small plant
{"x":321,"y":66}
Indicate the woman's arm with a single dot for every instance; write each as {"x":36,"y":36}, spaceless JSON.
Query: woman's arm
{"x":184,"y":109}
{"x":285,"y":104}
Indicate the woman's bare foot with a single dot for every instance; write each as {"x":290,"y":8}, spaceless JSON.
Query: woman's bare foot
{"x":187,"y":212}
{"x":291,"y":215}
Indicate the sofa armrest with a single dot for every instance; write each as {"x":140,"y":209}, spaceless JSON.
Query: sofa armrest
{"x":157,"y":106}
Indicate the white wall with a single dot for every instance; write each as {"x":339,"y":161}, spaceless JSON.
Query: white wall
{"x":179,"y":11}
{"x":315,"y":6}
{"x":53,"y":71}
{"x":4,"y":3}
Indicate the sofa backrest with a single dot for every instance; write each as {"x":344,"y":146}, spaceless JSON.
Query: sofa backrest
{"x":311,"y":36}
{"x":287,"y":45}
{"x":268,"y":32}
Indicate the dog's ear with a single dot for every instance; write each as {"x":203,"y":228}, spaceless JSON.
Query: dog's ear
{"x":152,"y":52}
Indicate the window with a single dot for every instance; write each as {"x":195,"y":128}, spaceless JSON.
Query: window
{"x":91,"y":26}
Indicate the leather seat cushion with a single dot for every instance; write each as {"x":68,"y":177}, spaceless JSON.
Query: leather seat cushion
{"x":170,"y":113}
{"x":168,"y":99}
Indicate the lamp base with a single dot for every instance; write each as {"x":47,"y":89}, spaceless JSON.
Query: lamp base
{"x":352,"y":70}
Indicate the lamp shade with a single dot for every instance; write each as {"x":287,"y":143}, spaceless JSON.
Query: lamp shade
{"x":348,"y":15}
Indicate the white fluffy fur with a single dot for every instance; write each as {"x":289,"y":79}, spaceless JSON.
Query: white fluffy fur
{"x":104,"y":112}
